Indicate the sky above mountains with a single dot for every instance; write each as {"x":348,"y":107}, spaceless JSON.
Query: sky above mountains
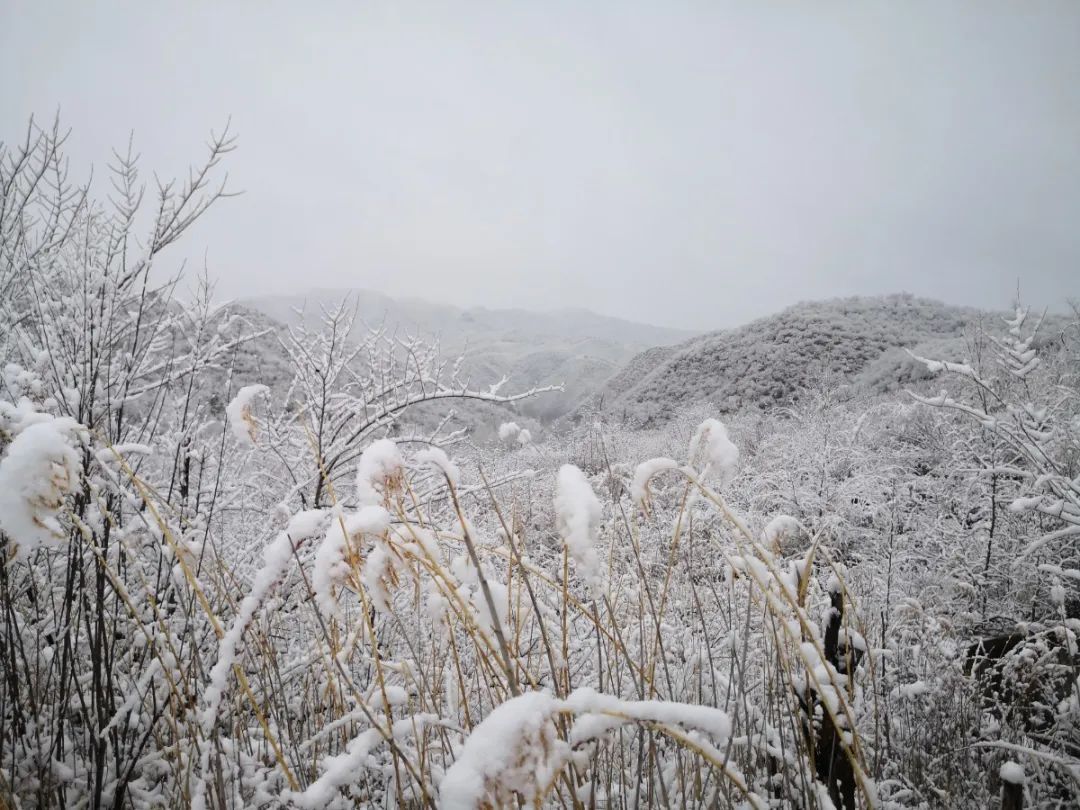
{"x":691,"y":165}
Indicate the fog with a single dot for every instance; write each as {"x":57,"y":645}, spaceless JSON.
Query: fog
{"x":693,"y":165}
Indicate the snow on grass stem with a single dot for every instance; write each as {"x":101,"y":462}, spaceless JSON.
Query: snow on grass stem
{"x":710,"y":445}
{"x":516,"y":749}
{"x":38,"y":471}
{"x":241,"y":420}
{"x":577,"y":515}
{"x":276,"y":559}
{"x":330,"y":558}
{"x":379,"y":472}
{"x":436,"y":458}
{"x":644,"y":473}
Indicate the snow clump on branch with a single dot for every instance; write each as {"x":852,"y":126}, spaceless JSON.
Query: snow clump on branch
{"x":437,"y":459}
{"x":514,"y":750}
{"x":40,"y":468}
{"x":239,"y":413}
{"x":331,"y":566}
{"x":379,"y":472}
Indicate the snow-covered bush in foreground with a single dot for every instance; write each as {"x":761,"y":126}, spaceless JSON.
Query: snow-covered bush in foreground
{"x":455,"y":661}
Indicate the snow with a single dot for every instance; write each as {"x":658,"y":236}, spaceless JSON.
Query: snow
{"x":853,"y":639}
{"x":419,"y":540}
{"x":348,"y":767}
{"x":62,"y":771}
{"x":937,"y":366}
{"x":912,"y":690}
{"x":1057,"y":594}
{"x":330,"y":567}
{"x":781,"y":535}
{"x":378,"y":472}
{"x":711,"y":443}
{"x":1025,"y":504}
{"x":590,"y":726}
{"x":644,"y":472}
{"x":1013,"y":773}
{"x":500,"y":597}
{"x":394,"y":696}
{"x":1070,"y":573}
{"x":39,"y":469}
{"x":709,"y":719}
{"x":19,"y":416}
{"x":436,"y":458}
{"x":118,"y":452}
{"x":304,"y":524}
{"x":239,"y":414}
{"x":524,"y":437}
{"x":378,"y":569}
{"x":276,"y":558}
{"x":833,"y":584}
{"x":577,"y":516}
{"x":514,"y":749}
{"x":508,"y":431}
{"x":436,"y":605}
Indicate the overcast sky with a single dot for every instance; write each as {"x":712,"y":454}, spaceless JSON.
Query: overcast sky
{"x":684,"y":164}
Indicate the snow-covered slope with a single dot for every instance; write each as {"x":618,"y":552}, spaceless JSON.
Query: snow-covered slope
{"x":610,"y":365}
{"x":769,"y":361}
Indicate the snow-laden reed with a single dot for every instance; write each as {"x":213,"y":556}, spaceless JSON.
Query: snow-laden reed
{"x":300,"y":599}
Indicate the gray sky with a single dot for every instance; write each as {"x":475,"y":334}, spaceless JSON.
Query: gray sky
{"x":684,"y":164}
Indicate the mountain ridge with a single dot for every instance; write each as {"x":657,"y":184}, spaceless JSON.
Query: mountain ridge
{"x":857,"y":340}
{"x":573,"y":347}
{"x":414,"y":310}
{"x":608,"y":367}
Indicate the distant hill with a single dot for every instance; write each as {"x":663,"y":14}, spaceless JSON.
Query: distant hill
{"x":857,"y":341}
{"x":573,"y":347}
{"x":607,"y":366}
{"x":456,"y":325}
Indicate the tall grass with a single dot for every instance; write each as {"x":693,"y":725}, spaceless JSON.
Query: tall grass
{"x":212,"y":625}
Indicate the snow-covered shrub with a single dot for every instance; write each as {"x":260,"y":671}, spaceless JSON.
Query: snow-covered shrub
{"x":775,"y":610}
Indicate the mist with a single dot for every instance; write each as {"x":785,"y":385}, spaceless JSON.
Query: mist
{"x":689,"y":165}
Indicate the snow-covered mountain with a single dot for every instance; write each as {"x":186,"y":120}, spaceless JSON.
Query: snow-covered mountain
{"x":456,"y":325}
{"x":572,"y":347}
{"x":846,"y":341}
{"x":642,"y":374}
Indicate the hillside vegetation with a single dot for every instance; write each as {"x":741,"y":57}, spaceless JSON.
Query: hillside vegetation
{"x":771,"y":361}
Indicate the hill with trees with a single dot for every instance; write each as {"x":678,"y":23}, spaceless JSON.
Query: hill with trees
{"x":772,"y":361}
